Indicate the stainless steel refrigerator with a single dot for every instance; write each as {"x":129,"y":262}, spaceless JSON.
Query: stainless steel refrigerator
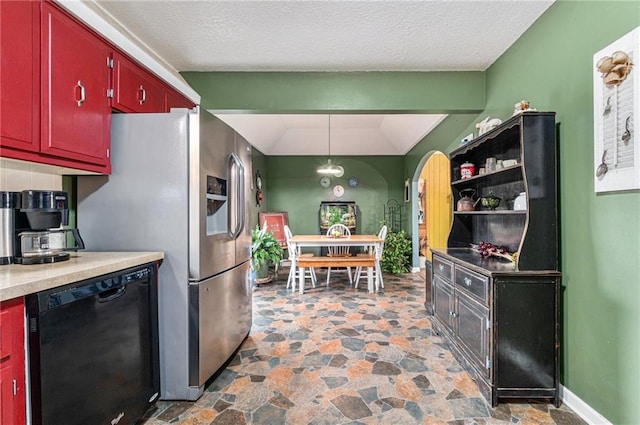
{"x":180,"y":184}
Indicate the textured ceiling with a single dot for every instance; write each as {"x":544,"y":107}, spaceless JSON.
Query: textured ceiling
{"x":324,"y":35}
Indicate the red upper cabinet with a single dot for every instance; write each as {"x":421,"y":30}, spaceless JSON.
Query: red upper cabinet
{"x":12,"y":381}
{"x":19,"y":75}
{"x":173,"y":99}
{"x":134,"y":88}
{"x":59,"y":81}
{"x":76,"y":111}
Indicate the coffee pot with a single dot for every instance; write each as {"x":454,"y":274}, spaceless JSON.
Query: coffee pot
{"x":466,"y":202}
{"x":50,"y":243}
{"x":39,"y":236}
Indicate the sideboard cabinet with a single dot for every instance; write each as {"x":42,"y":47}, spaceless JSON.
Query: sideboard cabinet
{"x":500,"y":313}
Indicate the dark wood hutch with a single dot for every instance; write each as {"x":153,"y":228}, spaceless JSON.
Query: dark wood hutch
{"x":500,"y":317}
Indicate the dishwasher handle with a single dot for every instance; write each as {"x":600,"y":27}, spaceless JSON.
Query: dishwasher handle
{"x":106,"y":288}
{"x":112,"y":294}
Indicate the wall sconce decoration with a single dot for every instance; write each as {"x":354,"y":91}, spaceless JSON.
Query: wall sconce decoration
{"x":259,"y":195}
{"x":407,"y":190}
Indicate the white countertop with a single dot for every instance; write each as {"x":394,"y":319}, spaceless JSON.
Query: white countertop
{"x":17,"y":280}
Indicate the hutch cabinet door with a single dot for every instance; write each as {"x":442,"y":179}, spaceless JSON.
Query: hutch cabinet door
{"x":536,"y":299}
{"x":443,"y":303}
{"x":471,"y":330}
{"x":135,"y":89}
{"x":19,"y":75}
{"x":76,"y":114}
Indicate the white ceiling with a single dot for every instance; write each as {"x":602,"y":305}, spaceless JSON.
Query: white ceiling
{"x":325,"y":35}
{"x":350,"y":134}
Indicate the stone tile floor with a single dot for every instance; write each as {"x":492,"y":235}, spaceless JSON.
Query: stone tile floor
{"x":339,"y":355}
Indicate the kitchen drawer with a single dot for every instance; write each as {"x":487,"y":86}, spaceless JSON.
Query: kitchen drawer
{"x":472,"y":283}
{"x":443,"y":268}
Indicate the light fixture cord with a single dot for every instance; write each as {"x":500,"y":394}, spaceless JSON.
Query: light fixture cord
{"x":329,"y":137}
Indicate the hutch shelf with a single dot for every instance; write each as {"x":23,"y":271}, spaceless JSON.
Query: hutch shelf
{"x":500,"y":317}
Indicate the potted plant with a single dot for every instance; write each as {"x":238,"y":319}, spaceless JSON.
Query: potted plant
{"x":396,"y":255}
{"x":335,"y":216}
{"x":265,"y":250}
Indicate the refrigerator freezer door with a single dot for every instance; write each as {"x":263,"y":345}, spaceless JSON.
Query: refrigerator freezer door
{"x":220,"y":319}
{"x":211,"y":141}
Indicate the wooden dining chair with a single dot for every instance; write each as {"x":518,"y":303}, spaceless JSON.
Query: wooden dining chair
{"x":382,"y":234}
{"x":340,"y":231}
{"x":293,"y":272}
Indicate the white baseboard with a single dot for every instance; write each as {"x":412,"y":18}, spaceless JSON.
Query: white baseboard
{"x":582,"y":409}
{"x":415,"y":269}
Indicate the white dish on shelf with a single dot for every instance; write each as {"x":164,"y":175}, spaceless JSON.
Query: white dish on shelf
{"x":520,"y":203}
{"x":509,"y":162}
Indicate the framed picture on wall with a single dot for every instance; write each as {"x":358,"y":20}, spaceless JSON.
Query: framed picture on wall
{"x":275,"y":222}
{"x":616,"y":94}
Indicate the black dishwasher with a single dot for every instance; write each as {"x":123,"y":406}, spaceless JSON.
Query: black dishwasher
{"x":94,"y":349}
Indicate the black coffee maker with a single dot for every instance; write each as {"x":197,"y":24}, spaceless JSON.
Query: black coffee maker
{"x":39,"y":236}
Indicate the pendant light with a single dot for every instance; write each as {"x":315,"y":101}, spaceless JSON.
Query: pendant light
{"x":329,"y":168}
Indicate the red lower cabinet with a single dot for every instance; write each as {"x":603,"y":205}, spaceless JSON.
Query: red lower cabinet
{"x":12,"y":391}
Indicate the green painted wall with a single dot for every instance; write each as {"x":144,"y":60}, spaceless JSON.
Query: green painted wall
{"x":258,"y":164}
{"x":309,"y":92}
{"x":294,"y":186}
{"x":600,"y":234}
{"x":551,"y":66}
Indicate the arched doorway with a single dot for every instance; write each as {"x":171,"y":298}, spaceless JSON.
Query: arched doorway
{"x":432,"y":219}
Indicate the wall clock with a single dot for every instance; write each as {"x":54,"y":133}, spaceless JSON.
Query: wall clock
{"x":352,"y":182}
{"x":338,"y":190}
{"x":325,"y":182}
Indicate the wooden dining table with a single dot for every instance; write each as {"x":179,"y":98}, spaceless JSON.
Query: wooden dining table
{"x":368,"y":242}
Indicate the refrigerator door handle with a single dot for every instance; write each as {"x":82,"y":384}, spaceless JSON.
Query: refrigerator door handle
{"x":231,"y":219}
{"x":241,"y":197}
{"x":235,"y":223}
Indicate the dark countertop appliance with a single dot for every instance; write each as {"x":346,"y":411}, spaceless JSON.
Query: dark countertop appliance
{"x":94,"y":349}
{"x":39,"y":236}
{"x":9,"y":201}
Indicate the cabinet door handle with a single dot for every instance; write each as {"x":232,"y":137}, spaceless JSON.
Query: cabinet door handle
{"x":467,"y":281}
{"x":14,"y":387}
{"x":143,"y":94}
{"x":83,"y":96}
{"x":441,"y":267}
